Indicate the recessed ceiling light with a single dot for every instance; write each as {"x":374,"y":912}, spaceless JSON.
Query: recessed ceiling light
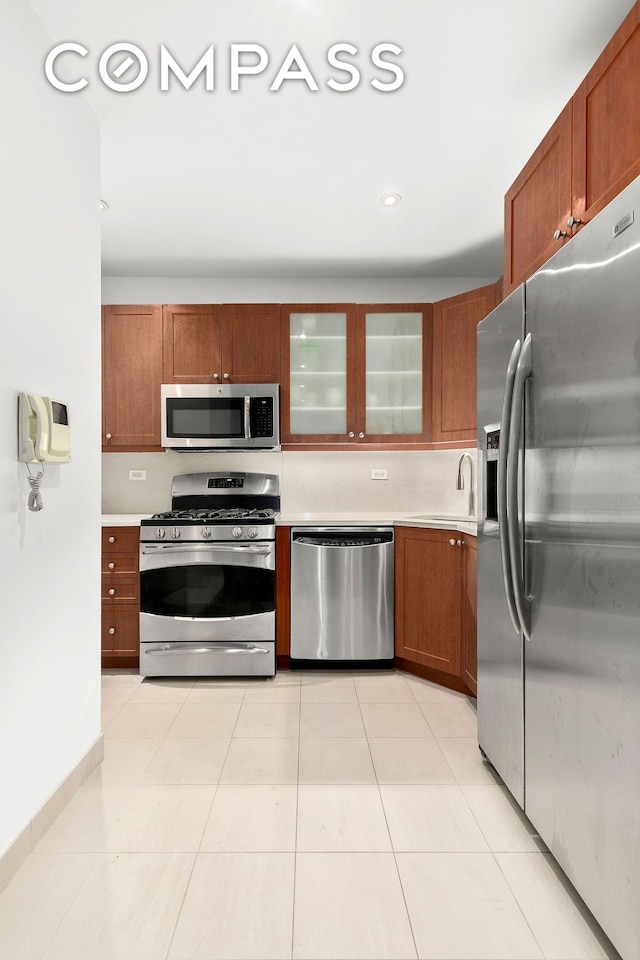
{"x":390,"y":199}
{"x":104,"y":205}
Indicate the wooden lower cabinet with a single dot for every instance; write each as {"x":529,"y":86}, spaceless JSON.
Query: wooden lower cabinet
{"x":469,"y":613}
{"x":120,"y":597}
{"x":283,"y":599}
{"x":435,"y":606}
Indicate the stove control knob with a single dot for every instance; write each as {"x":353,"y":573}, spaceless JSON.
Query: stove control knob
{"x":206,"y":532}
{"x":175,"y":533}
{"x":160,"y":533}
{"x":236,"y":532}
{"x":252,"y":532}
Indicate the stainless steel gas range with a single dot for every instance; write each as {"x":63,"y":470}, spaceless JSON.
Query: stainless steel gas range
{"x":207,"y":578}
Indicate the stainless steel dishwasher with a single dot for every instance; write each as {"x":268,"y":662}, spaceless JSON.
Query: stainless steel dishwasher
{"x":342,"y":596}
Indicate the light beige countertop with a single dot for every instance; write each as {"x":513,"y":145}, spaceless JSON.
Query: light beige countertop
{"x":123,"y":519}
{"x":354,"y":519}
{"x":468,"y":525}
{"x":462,"y":525}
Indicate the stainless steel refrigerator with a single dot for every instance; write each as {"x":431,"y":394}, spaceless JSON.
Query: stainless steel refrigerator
{"x":559,"y":558}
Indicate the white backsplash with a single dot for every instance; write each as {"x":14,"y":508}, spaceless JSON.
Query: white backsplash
{"x":421,"y":481}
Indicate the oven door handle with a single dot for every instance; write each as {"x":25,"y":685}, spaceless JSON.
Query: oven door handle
{"x":249,"y":548}
{"x":170,"y":648}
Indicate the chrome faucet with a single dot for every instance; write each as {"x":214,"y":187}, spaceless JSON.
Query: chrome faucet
{"x":460,"y":482}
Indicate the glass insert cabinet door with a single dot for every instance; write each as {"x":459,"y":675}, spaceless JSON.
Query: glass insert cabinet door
{"x":319,"y":386}
{"x":394,"y":374}
{"x":357,"y":373}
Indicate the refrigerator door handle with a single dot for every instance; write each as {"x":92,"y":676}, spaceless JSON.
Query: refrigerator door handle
{"x":523,"y":371}
{"x":505,"y":430}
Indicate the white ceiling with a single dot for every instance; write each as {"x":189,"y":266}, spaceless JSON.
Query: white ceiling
{"x":258,"y":183}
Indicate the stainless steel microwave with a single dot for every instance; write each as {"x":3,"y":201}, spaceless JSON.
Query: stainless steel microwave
{"x":228,"y":416}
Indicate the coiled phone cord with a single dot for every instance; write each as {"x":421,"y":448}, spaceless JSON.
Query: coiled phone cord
{"x":35,"y":499}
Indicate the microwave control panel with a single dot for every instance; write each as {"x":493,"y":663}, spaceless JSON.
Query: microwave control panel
{"x":261,"y":417}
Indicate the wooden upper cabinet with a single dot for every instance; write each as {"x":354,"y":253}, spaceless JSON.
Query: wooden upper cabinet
{"x":251,"y":342}
{"x":318,"y":373}
{"x":454,"y":363}
{"x":606,"y":122}
{"x":234,"y":343}
{"x":192,"y":342}
{"x":589,"y":155}
{"x":393,"y":363}
{"x":538,"y":204}
{"x":131,"y":377}
{"x":356,"y":374}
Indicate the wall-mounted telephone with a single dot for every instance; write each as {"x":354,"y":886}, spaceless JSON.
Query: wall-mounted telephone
{"x":43,"y":430}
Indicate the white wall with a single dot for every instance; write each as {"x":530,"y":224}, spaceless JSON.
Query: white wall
{"x":50,"y":579}
{"x":286,"y":289}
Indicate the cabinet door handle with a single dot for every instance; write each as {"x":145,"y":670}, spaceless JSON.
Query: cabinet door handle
{"x":112,"y":630}
{"x":225,"y":376}
{"x":112,"y":565}
{"x":361,"y":435}
{"x":216,"y":376}
{"x":107,"y":436}
{"x":559,"y":234}
{"x":459,"y":542}
{"x":112,"y":539}
{"x":452,"y":542}
{"x":112,"y":592}
{"x":573,"y":222}
{"x":351,"y":434}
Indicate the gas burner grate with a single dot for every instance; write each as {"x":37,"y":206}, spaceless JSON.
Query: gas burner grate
{"x":222,"y":514}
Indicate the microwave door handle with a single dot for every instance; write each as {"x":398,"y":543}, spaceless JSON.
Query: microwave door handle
{"x":247,"y":418}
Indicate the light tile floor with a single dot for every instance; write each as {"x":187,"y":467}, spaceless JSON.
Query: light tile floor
{"x":316,"y":815}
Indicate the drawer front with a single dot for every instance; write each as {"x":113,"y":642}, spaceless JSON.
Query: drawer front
{"x":120,"y":539}
{"x":120,"y":630}
{"x":202,"y":659}
{"x":120,"y":589}
{"x":120,"y":564}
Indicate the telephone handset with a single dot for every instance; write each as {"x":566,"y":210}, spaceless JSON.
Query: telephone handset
{"x":43,"y":430}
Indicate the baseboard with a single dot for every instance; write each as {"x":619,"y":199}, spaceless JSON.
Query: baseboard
{"x":15,"y":855}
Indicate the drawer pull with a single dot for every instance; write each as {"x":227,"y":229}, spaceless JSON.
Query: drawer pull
{"x":112,"y":539}
{"x":112,"y":592}
{"x":112,"y":630}
{"x":112,"y":565}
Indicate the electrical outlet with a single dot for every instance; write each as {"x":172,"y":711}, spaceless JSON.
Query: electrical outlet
{"x":137,"y":474}
{"x":379,"y":474}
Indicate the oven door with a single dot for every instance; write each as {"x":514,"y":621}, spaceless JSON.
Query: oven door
{"x":207,"y":609}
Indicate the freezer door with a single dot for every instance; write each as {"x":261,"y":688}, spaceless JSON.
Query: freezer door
{"x":500,"y":681}
{"x":582,"y":506}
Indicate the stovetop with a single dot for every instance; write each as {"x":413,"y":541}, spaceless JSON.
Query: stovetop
{"x":214,"y":515}
{"x":217,"y":506}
